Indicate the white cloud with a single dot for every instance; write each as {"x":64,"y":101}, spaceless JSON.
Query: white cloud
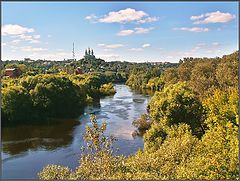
{"x":193,"y":29}
{"x":213,"y":17}
{"x":135,"y":49}
{"x":146,"y":45}
{"x":25,"y":37}
{"x":123,"y":16}
{"x":125,"y":32}
{"x":20,"y":33}
{"x":136,"y":30}
{"x":140,"y":49}
{"x":3,"y":44}
{"x":197,"y":17}
{"x":142,"y":30}
{"x":29,"y":38}
{"x":92,"y":18}
{"x":148,"y":20}
{"x":32,"y":49}
{"x":10,"y":29}
{"x":111,"y":46}
{"x":114,"y":46}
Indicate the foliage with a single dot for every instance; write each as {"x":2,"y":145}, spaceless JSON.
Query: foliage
{"x":52,"y":92}
{"x":107,"y":89}
{"x":222,"y":108}
{"x":142,"y":124}
{"x":155,"y":83}
{"x":203,"y":75}
{"x":16,"y":104}
{"x":176,"y":104}
{"x":170,"y":152}
{"x":193,"y":128}
{"x":55,"y":172}
{"x":214,"y":158}
{"x":163,"y":163}
{"x":96,"y":162}
{"x":36,"y":98}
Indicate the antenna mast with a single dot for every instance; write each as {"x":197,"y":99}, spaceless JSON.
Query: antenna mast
{"x":73,"y":53}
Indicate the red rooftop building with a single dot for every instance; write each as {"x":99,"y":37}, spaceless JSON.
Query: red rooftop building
{"x":78,"y":71}
{"x":12,"y":72}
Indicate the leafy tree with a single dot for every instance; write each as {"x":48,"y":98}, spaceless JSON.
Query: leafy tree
{"x":170,"y":76}
{"x":142,"y":124}
{"x":227,"y":71}
{"x":107,"y":89}
{"x":96,"y":162}
{"x":203,"y":79}
{"x":222,"y":108}
{"x":162,"y":163}
{"x":214,"y":158}
{"x":16,"y":105}
{"x":176,"y":104}
{"x":50,"y":96}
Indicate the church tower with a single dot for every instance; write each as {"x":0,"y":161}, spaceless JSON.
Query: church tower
{"x":89,"y":54}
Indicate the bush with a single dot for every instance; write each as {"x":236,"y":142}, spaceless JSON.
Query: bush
{"x":16,"y":105}
{"x":96,"y":162}
{"x":142,"y":124}
{"x":176,"y":104}
{"x":107,"y":89}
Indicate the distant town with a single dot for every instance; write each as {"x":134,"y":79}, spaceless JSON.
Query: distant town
{"x":89,"y":63}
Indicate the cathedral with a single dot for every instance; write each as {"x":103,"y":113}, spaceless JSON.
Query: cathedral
{"x":89,"y":54}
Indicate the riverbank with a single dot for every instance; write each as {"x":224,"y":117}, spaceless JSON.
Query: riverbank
{"x":24,"y":156}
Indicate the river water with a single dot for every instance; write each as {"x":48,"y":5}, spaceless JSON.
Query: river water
{"x":27,"y":149}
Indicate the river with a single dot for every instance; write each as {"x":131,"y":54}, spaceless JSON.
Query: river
{"x":27,"y":149}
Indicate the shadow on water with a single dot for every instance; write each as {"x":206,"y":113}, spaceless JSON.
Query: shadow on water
{"x":19,"y":139}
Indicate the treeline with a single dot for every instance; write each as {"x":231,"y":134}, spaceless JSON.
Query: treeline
{"x":37,"y":98}
{"x":193,"y":132}
{"x":203,"y":75}
{"x":121,"y":70}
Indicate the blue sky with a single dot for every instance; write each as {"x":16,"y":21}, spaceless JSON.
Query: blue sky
{"x":137,"y":32}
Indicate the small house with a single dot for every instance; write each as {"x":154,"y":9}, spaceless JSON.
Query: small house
{"x":78,"y":71}
{"x":12,"y":72}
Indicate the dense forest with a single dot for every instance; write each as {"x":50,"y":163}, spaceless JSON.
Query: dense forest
{"x":190,"y":132}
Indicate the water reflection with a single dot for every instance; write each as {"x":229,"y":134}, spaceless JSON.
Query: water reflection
{"x":27,"y":149}
{"x":19,"y":139}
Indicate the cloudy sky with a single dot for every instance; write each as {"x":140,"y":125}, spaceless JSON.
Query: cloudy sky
{"x":126,"y":31}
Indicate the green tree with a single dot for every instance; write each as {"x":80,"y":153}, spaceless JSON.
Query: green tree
{"x":57,"y":97}
{"x":96,"y":162}
{"x":203,"y":78}
{"x":176,"y":104}
{"x":16,"y":105}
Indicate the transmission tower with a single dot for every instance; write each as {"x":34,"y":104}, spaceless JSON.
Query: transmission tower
{"x":73,"y":52}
